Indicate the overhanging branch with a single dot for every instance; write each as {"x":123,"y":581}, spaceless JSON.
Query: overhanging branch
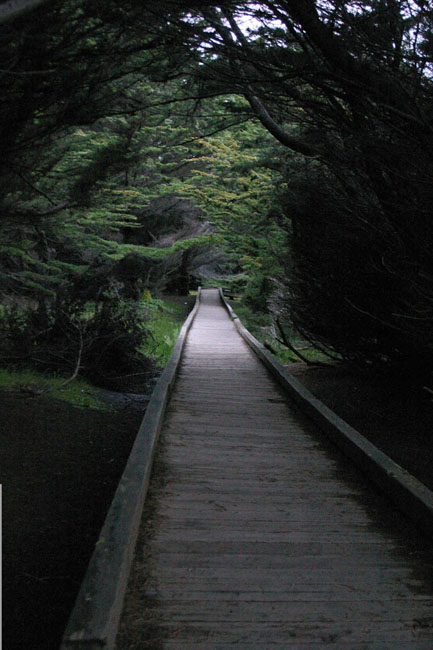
{"x":258,"y":107}
{"x":276,"y":130}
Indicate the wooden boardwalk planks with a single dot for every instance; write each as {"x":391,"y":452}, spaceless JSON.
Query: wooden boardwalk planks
{"x":256,"y":534}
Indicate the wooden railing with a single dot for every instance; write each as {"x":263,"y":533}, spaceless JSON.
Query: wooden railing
{"x":95,"y":618}
{"x":406,"y":492}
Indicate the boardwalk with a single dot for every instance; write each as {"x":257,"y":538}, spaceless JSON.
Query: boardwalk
{"x":257,"y":535}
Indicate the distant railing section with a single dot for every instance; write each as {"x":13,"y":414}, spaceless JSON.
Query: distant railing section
{"x":230,"y":294}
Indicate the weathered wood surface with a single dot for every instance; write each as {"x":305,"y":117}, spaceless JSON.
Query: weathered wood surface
{"x":257,"y":534}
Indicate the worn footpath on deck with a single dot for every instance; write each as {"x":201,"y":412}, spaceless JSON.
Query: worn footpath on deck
{"x":257,"y":534}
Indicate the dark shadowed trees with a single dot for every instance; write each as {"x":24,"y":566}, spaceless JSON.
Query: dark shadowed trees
{"x":344,"y":87}
{"x":347,"y":87}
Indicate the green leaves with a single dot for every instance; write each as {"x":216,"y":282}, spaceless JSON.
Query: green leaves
{"x":230,"y":180}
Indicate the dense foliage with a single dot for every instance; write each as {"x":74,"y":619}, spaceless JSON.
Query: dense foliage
{"x":347,"y":87}
{"x":283,"y":146}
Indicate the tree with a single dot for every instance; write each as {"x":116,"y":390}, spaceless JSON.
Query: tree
{"x":345,"y":88}
{"x":233,"y":180}
{"x":348,"y":88}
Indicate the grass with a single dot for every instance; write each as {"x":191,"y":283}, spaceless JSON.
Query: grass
{"x":260,"y":326}
{"x":163,"y":321}
{"x":310,"y":353}
{"x":77,"y":392}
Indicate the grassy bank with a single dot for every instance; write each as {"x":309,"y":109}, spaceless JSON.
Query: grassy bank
{"x":29,"y":382}
{"x":162,"y":320}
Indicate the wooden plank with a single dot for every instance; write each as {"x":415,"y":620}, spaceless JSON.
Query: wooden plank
{"x":311,"y":549}
{"x":374,"y":635}
{"x":290,"y":644}
{"x":242,"y":560}
{"x":297,"y":578}
{"x":274,"y":611}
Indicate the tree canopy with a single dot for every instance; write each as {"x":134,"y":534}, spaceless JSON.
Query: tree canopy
{"x":286,"y":142}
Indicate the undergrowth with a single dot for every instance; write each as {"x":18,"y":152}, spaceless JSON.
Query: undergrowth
{"x":159,"y":322}
{"x":260,"y":325}
{"x":163,"y":321}
{"x":32,"y":383}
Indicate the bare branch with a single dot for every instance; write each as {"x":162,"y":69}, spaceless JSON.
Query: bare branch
{"x":288,"y":345}
{"x":296,"y":144}
{"x":260,"y":110}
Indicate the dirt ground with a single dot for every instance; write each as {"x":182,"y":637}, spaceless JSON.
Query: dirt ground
{"x":60,"y":465}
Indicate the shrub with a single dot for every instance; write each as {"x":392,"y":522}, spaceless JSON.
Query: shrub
{"x":96,"y":340}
